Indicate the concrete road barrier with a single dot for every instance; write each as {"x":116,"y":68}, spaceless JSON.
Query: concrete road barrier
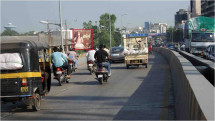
{"x":194,"y":95}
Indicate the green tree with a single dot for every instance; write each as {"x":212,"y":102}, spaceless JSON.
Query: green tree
{"x":101,"y":33}
{"x":169,"y":33}
{"x":104,"y":24}
{"x":104,"y":21}
{"x":88,"y":25}
{"x":117,"y":37}
{"x":95,"y":36}
{"x":175,"y":35}
{"x":9,"y":33}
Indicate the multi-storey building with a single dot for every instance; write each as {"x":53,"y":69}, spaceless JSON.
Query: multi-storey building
{"x":195,"y":8}
{"x":208,"y":8}
{"x":180,"y":16}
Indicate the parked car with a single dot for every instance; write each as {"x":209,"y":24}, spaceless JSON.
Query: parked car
{"x":209,"y":52}
{"x":117,"y":54}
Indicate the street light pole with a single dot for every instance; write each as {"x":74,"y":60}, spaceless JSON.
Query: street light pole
{"x":172,"y":35}
{"x":121,"y":30}
{"x":121,"y":27}
{"x":49,"y":31}
{"x":60,"y":15}
{"x":49,"y":35}
{"x":110,"y":25}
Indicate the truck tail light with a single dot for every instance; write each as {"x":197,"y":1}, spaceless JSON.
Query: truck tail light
{"x":24,"y":82}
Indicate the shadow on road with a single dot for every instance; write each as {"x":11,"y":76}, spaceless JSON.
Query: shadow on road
{"x":85,"y":98}
{"x":151,"y":105}
{"x":17,"y":107}
{"x":86,"y":83}
{"x":117,"y":62}
{"x":117,"y":67}
{"x":75,"y":73}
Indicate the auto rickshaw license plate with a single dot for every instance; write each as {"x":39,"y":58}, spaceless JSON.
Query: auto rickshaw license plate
{"x":24,"y":89}
{"x":136,"y":61}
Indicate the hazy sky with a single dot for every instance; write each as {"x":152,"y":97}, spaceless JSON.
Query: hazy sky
{"x":27,"y":14}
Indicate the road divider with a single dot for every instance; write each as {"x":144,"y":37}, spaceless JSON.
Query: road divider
{"x":194,"y":94}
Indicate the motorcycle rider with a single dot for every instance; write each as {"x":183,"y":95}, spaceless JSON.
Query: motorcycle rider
{"x":59,"y":60}
{"x":101,"y":56}
{"x":150,"y":48}
{"x":90,"y":55}
{"x":73,"y":57}
{"x":108,"y":51}
{"x":61,"y":50}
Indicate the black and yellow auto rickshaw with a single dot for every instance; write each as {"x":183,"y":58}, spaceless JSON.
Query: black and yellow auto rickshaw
{"x":28,"y":79}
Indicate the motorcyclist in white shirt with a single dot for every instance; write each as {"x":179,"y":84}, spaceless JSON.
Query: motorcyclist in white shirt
{"x":90,"y":55}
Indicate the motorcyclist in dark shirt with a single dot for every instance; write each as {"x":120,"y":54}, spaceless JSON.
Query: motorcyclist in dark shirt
{"x":101,"y":56}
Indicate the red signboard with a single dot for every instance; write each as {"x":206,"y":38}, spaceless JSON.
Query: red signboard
{"x":82,"y":39}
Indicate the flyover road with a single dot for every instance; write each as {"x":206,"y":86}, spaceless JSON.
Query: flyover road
{"x":136,"y":93}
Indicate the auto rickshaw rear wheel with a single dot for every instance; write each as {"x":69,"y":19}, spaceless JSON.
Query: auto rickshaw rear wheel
{"x":36,"y":102}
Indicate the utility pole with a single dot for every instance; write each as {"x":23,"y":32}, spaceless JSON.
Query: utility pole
{"x":172,"y":35}
{"x":60,"y":15}
{"x":49,"y":35}
{"x":121,"y":30}
{"x":66,"y":39}
{"x":110,"y":25}
{"x":122,"y":27}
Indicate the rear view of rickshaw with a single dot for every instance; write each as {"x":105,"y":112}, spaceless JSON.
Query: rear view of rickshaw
{"x":25,"y":71}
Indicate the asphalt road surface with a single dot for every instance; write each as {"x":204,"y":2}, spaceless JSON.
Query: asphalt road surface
{"x":136,"y":93}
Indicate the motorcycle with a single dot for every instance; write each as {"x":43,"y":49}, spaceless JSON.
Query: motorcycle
{"x":91,"y":66}
{"x":72,"y":64}
{"x":101,"y":73}
{"x":61,"y":75}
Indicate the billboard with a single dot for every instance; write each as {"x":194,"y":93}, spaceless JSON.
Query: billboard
{"x":82,"y":39}
{"x":137,"y":35}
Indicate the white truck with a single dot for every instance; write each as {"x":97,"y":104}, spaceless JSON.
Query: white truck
{"x":136,"y":50}
{"x":199,"y":34}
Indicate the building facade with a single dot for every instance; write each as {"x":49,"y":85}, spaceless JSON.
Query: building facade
{"x":180,"y":16}
{"x":208,"y":8}
{"x":195,"y":8}
{"x":147,"y":25}
{"x":157,"y":27}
